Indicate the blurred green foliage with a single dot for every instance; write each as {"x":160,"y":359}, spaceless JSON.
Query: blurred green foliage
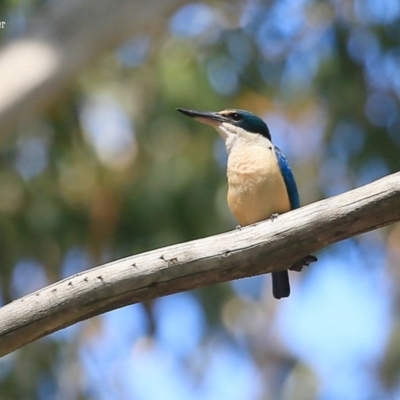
{"x":111,"y":169}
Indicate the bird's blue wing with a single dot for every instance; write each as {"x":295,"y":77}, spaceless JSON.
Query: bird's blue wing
{"x":288,"y":177}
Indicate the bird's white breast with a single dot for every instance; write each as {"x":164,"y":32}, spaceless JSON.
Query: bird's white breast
{"x":256,"y":188}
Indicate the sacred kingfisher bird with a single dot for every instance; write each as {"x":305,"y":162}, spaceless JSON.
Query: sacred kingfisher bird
{"x":260,"y":180}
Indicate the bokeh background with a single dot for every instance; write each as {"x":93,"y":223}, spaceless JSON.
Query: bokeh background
{"x":108,"y":169}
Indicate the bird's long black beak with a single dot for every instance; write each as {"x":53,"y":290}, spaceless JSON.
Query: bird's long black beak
{"x":207,"y":117}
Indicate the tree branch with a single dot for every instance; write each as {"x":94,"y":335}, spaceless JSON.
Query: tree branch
{"x":236,"y":254}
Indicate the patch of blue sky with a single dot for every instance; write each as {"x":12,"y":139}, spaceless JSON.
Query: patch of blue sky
{"x":371,"y":170}
{"x":338,"y":320}
{"x":17,"y":18}
{"x":334,"y":177}
{"x":120,"y":329}
{"x":390,"y":67}
{"x":28,"y":276}
{"x":305,"y":59}
{"x":226,"y":362}
{"x":351,"y":382}
{"x":104,"y":352}
{"x":7,"y":365}
{"x":176,"y":381}
{"x":134,"y":52}
{"x":375,"y":77}
{"x":281,"y":26}
{"x":32,"y":155}
{"x":68,"y":334}
{"x":377,"y":12}
{"x":109,"y":130}
{"x":290,"y":136}
{"x":363,"y":45}
{"x":240,"y":48}
{"x":75,"y":260}
{"x":271,"y":72}
{"x":193,"y":20}
{"x":249,"y":288}
{"x":121,"y":362}
{"x":285,"y":18}
{"x":300,"y":69}
{"x":180,"y":322}
{"x":222,"y":74}
{"x":373,"y":248}
{"x":250,"y":15}
{"x":47,"y":387}
{"x":272,"y":44}
{"x":381,"y":109}
{"x":219,"y":151}
{"x":154,"y":373}
{"x":347,"y":140}
{"x":289,"y":16}
{"x":396,"y":391}
{"x":381,"y":73}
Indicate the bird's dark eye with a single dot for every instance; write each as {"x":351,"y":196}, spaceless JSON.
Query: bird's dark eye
{"x":236,"y":116}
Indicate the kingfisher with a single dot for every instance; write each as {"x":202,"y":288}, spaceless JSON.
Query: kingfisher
{"x":261,"y":183}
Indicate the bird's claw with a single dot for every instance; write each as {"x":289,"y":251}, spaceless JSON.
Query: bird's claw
{"x":304,"y":262}
{"x":273,"y":217}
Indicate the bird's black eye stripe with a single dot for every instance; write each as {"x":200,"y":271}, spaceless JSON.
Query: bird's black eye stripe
{"x":236,"y":116}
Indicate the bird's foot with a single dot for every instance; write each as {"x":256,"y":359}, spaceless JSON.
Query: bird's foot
{"x":238,"y":226}
{"x":273,"y":217}
{"x":304,"y":262}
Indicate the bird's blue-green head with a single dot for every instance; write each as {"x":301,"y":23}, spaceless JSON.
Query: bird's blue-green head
{"x":230,"y":121}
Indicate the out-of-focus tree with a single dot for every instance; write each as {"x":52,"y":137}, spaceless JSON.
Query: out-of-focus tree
{"x":97,"y":165}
